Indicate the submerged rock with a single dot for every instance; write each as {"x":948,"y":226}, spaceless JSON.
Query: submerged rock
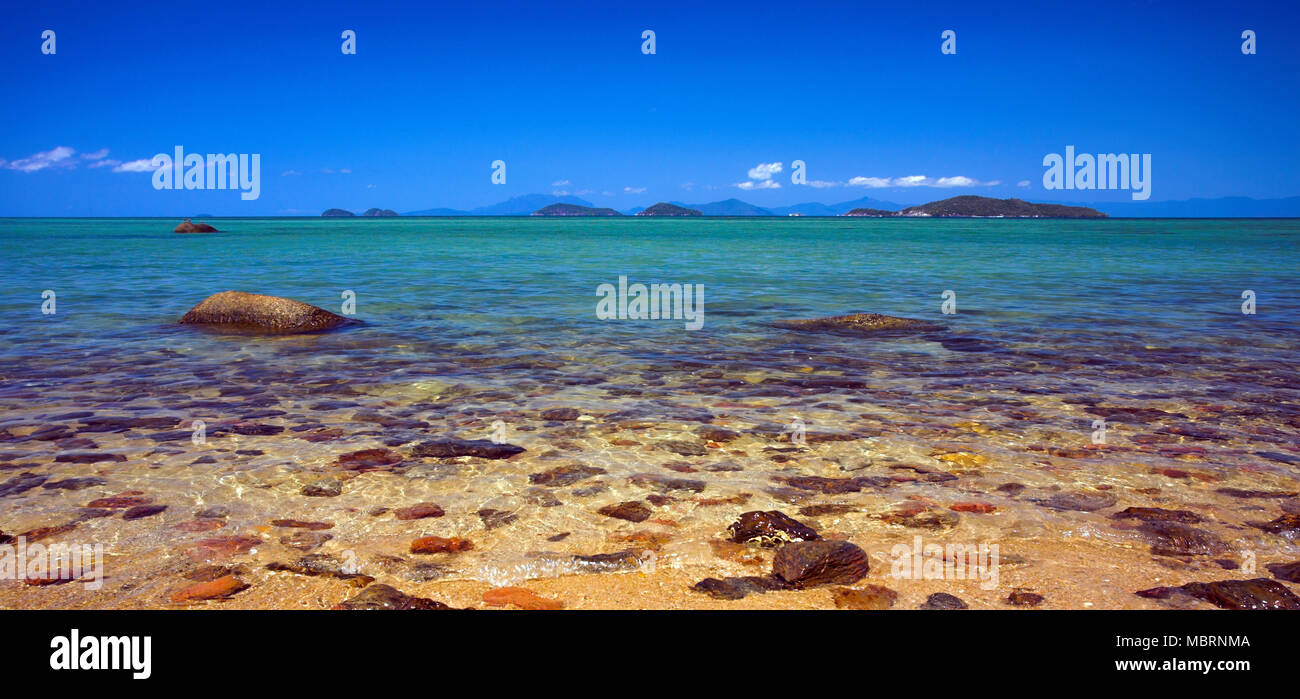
{"x":1259,"y":593}
{"x":1288,"y":525}
{"x":244,"y":312}
{"x":220,"y":588}
{"x":771,"y":528}
{"x":438,"y":544}
{"x":869,"y":597}
{"x":1080,"y":502}
{"x":387,"y":597}
{"x":520,"y":597}
{"x":1020,"y":598}
{"x":632,"y":511}
{"x":858,"y":323}
{"x":943,"y":600}
{"x":565,"y":475}
{"x":1285,"y":571}
{"x":736,"y":588}
{"x":808,"y":563}
{"x":1176,"y":539}
{"x":1156,"y":514}
{"x":482,"y":448}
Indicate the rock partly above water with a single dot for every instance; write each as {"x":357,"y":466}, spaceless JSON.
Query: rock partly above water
{"x":770,"y":529}
{"x":807,"y":563}
{"x":858,"y":323}
{"x":200,"y":227}
{"x":1260,"y":593}
{"x":256,"y":313}
{"x":388,"y":597}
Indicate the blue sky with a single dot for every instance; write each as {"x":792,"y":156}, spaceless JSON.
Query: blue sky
{"x":563,"y":94}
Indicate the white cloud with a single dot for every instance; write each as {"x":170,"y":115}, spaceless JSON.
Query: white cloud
{"x":560,"y":183}
{"x":370,"y":186}
{"x":911,"y":181}
{"x":1022,"y":183}
{"x":764,"y":171}
{"x":101,"y":153}
{"x":761,"y":184}
{"x":57,"y":156}
{"x":144,"y":165}
{"x":872,"y":182}
{"x":341,"y":171}
{"x":290,"y":173}
{"x":634,"y":190}
{"x":822,"y":184}
{"x":106,"y":162}
{"x":560,"y":192}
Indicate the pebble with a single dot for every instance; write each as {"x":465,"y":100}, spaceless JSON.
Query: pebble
{"x":1288,"y":525}
{"x":300,"y":524}
{"x":1020,"y":598}
{"x":1156,"y":514}
{"x":736,"y":588}
{"x":142,"y":511}
{"x":482,"y":448}
{"x":1080,"y":502}
{"x":120,"y":501}
{"x":219,"y":588}
{"x":1285,"y":571}
{"x":1176,"y":539}
{"x":561,"y":414}
{"x":496,"y":518}
{"x":326,"y":488}
{"x":423,"y":510}
{"x":223,"y":547}
{"x":943,"y":600}
{"x":369,"y":460}
{"x":565,"y":475}
{"x":305,"y":540}
{"x":438,"y":544}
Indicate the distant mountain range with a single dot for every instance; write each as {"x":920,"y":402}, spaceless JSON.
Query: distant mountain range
{"x":1225,"y":207}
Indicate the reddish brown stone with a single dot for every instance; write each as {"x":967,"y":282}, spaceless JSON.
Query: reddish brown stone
{"x":223,"y":547}
{"x":220,"y":588}
{"x":632,"y":511}
{"x":519,"y":597}
{"x":438,"y":544}
{"x":300,"y":524}
{"x":770,"y":528}
{"x":808,"y":563}
{"x":423,"y":510}
{"x":369,"y":459}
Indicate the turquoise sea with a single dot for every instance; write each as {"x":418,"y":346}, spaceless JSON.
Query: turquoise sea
{"x":474,"y":321}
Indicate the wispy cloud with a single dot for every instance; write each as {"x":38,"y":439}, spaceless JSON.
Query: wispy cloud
{"x":340,"y":171}
{"x":55,"y":157}
{"x":290,"y":173}
{"x":97,"y":155}
{"x":142,"y":165}
{"x":560,"y":183}
{"x":760,"y":184}
{"x":919,"y":181}
{"x":1022,"y":183}
{"x":634,"y":190}
{"x":106,"y":162}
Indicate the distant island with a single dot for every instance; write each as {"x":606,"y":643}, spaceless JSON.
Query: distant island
{"x":971,"y":206}
{"x":369,"y":212}
{"x":663,"y":208}
{"x":574,"y":210}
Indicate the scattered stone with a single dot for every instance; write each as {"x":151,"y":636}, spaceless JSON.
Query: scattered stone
{"x":665,"y":484}
{"x":807,"y":563}
{"x":869,"y":597}
{"x":423,"y":510}
{"x":300,"y":524}
{"x":858,"y":323}
{"x":1285,"y":571}
{"x":619,"y":561}
{"x":821,"y":484}
{"x":827,"y":509}
{"x":1080,"y":502}
{"x":305,"y":540}
{"x":736,"y":588}
{"x":1259,"y":593}
{"x":1156,"y":514}
{"x":322,"y":565}
{"x":717,"y":434}
{"x":496,"y":518}
{"x":482,"y":448}
{"x":1176,"y":539}
{"x":438,"y":544}
{"x":75,"y":483}
{"x":387,"y":597}
{"x":21,"y":483}
{"x":426,"y":571}
{"x":370,"y":460}
{"x":1020,"y":598}
{"x":214,"y":512}
{"x":46,"y":532}
{"x":223,"y":547}
{"x":982,"y":508}
{"x":519,"y":597}
{"x":942,"y":600}
{"x":632,"y":511}
{"x":771,"y":528}
{"x":88,"y":457}
{"x":1254,"y":494}
{"x":142,"y":511}
{"x":219,"y":588}
{"x":683,"y":448}
{"x":120,"y":501}
{"x":561,"y":414}
{"x":561,"y":476}
{"x":325,"y":488}
{"x":1288,"y":525}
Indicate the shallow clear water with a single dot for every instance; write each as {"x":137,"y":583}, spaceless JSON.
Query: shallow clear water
{"x":473,"y":321}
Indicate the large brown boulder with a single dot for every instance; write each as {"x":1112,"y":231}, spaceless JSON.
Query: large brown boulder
{"x":255,"y":313}
{"x":200,"y":227}
{"x":858,"y":323}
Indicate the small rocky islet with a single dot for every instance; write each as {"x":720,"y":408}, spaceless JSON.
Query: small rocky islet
{"x":310,"y":488}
